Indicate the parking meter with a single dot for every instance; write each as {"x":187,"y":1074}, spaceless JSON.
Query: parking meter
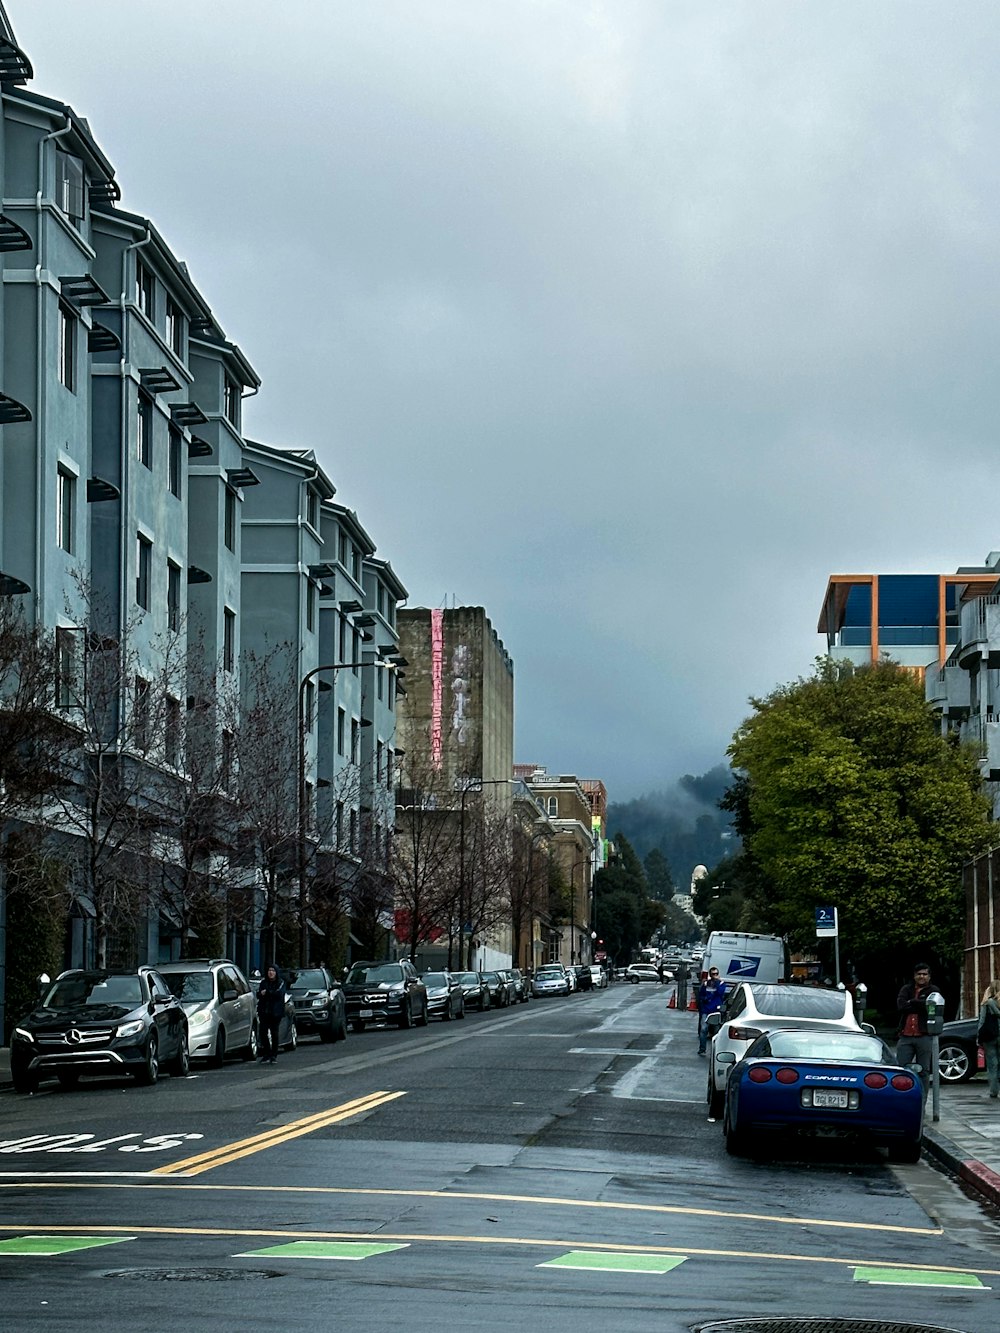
{"x":935,"y":1025}
{"x":860,"y":1000}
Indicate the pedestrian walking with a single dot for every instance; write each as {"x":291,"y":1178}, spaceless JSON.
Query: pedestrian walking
{"x":711,"y":993}
{"x":270,"y":1011}
{"x":913,"y":1046}
{"x":988,"y":1034}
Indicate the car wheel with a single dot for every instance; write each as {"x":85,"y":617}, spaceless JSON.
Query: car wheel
{"x":181,"y":1062}
{"x":219,"y":1054}
{"x":327,"y":1034}
{"x":358,"y":1025}
{"x":461,"y":1010}
{"x":406,"y":1017}
{"x":341,"y":1032}
{"x":252,"y":1048}
{"x":23,"y":1081}
{"x":293,"y":1039}
{"x":907,"y":1150}
{"x":954,"y":1063}
{"x":68,"y":1078}
{"x":150,"y":1071}
{"x":736,"y":1140}
{"x":423,"y":1018}
{"x":716,"y":1100}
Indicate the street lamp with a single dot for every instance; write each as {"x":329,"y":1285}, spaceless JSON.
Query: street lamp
{"x":301,"y":803}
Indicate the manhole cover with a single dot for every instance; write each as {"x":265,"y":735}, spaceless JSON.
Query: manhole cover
{"x":191,"y":1274}
{"x":822,"y":1325}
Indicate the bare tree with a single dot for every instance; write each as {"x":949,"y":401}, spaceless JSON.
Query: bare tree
{"x":423,"y":858}
{"x":529,"y":887}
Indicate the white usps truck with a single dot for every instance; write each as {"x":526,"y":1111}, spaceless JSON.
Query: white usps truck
{"x":744,"y":957}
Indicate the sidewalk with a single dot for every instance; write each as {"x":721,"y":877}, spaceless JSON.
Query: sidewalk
{"x":966,"y":1139}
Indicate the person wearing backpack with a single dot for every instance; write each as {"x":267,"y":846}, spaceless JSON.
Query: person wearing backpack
{"x":988,"y":1034}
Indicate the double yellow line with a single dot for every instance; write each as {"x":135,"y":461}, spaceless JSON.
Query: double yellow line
{"x":232,"y":1152}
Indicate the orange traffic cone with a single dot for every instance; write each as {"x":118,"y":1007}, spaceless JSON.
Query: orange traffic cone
{"x":672,"y":1002}
{"x":692,"y":1005}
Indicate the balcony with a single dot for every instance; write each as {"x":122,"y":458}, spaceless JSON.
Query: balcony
{"x":948,"y":689}
{"x":980,"y":633}
{"x":989,"y":763}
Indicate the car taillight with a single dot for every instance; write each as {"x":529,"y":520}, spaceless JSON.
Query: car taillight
{"x":787,"y":1076}
{"x":902,"y":1082}
{"x":743,"y":1034}
{"x":875,"y":1080}
{"x":759,"y":1074}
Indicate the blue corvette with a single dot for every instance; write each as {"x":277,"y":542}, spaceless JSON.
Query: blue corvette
{"x":829,"y":1082}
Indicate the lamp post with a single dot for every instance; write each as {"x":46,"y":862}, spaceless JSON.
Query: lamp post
{"x":301,"y":802}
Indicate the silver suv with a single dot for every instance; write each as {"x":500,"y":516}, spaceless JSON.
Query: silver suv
{"x":220,"y":1007}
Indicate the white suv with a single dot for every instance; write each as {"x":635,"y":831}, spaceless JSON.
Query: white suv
{"x":751,"y":1009}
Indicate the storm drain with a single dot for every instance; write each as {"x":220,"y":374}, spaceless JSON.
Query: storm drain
{"x":822,"y":1325}
{"x":192,"y":1274}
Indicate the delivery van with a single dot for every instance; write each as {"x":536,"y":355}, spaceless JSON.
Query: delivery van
{"x":743,"y":957}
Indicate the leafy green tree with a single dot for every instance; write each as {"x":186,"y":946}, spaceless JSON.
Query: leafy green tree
{"x":850,"y":796}
{"x":659,"y":880}
{"x":625,"y":915}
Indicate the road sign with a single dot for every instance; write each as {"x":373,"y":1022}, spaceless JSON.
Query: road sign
{"x":826,"y":923}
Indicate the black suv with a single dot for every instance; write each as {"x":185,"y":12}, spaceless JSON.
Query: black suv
{"x":385,"y":992}
{"x":516,"y":978}
{"x":101,"y":1023}
{"x":319,"y":1003}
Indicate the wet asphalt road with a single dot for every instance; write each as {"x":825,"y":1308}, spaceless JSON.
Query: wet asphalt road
{"x":546,"y":1166}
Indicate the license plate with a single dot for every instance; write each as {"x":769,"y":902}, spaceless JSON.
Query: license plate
{"x":837,"y":1099}
{"x":367,"y":1013}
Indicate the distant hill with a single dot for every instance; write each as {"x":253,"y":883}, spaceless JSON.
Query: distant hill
{"x":684,"y":823}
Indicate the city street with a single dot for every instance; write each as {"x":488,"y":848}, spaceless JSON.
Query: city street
{"x":544,"y":1166}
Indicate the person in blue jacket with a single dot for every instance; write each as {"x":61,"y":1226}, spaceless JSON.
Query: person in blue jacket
{"x":711,"y":993}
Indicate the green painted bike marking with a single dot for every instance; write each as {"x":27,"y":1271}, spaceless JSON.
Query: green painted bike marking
{"x":917,"y":1277}
{"x":596,"y":1262}
{"x":321,"y":1249}
{"x":53,"y":1245}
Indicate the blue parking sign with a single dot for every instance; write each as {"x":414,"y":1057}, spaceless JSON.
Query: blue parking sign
{"x":826,"y":922}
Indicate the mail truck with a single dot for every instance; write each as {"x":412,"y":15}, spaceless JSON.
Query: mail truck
{"x":745,"y":957}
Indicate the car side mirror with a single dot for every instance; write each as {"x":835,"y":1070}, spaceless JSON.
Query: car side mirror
{"x":726,"y":1057}
{"x":869,"y":1028}
{"x":230,"y":994}
{"x":712,"y":1023}
{"x":43,"y":981}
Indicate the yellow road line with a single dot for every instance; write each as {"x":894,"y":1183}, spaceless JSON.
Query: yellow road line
{"x":663,"y":1209}
{"x":231,"y":1152}
{"x":598,"y":1247}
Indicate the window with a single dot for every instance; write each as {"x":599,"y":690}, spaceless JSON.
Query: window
{"x":228,"y":640}
{"x":552,"y":806}
{"x":310,"y":605}
{"x":356,"y":651}
{"x":341,"y":721}
{"x":310,"y":706}
{"x":355,"y":738}
{"x":140,"y":714}
{"x":380,"y":602}
{"x":70,"y":185}
{"x":338,"y":827}
{"x":174,"y":464}
{"x":144,"y":435}
{"x":380,"y":682}
{"x":175,"y":329}
{"x":388,"y":770}
{"x":173,"y":596}
{"x":378,"y":761}
{"x":310,"y":810}
{"x":143,"y":568}
{"x":65,"y":508}
{"x":356,"y":564}
{"x":232,"y":402}
{"x":353,"y":835}
{"x":172,"y":731}
{"x":67,"y":348}
{"x":226,"y":760}
{"x":342,"y":647}
{"x":230,"y":520}
{"x":145,"y":291}
{"x":68,"y":668}
{"x":343,"y":549}
{"x":312,"y":508}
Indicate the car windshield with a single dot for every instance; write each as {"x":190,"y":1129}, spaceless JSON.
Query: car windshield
{"x":548,"y":972}
{"x":310,"y":978}
{"x":435,"y":979}
{"x":74,"y":991}
{"x":798,"y":1002}
{"x":825,"y":1045}
{"x":467,"y":978}
{"x":190,"y":986}
{"x":373,"y":974}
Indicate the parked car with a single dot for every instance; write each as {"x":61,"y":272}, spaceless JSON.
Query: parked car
{"x":474,"y":988}
{"x":100,"y":1022}
{"x":749,"y":1010}
{"x":551,"y":979}
{"x":501,"y":990}
{"x":960,"y":1056}
{"x":445,"y":995}
{"x":386,"y":993}
{"x":288,"y":1032}
{"x":802,"y":1081}
{"x":220,"y":1006}
{"x":599,"y":977}
{"x":637,"y":972}
{"x":319,"y":1003}
{"x":516,"y":978}
{"x":584,"y":980}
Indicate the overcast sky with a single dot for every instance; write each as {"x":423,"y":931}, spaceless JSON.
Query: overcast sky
{"x":630,"y":321}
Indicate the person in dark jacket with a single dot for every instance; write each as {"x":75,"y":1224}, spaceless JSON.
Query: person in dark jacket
{"x":270,"y":1011}
{"x":913,"y":1045}
{"x":989,"y":1011}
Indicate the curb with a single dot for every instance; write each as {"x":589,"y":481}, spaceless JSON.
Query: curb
{"x":968,"y":1169}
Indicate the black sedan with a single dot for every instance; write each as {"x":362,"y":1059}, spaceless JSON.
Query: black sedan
{"x":475,"y":989}
{"x":959,"y":1056}
{"x":501,"y":990}
{"x":319,"y":1003}
{"x":445,"y":995}
{"x":91,"y":1022}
